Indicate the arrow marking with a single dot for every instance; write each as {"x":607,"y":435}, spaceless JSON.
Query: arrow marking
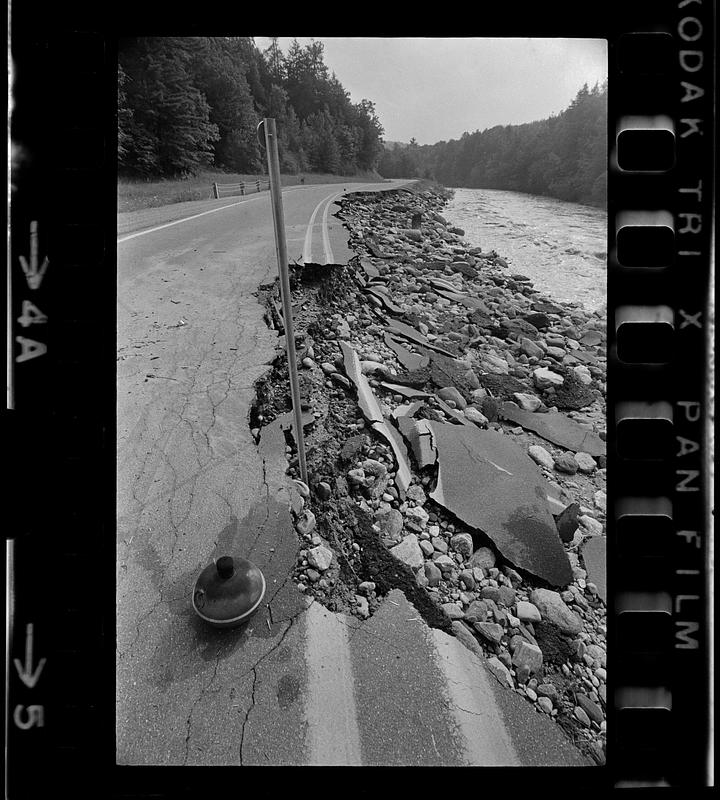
{"x":33,"y":273}
{"x":25,"y":671}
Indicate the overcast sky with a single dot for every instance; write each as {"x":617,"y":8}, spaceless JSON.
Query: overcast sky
{"x":436,"y":89}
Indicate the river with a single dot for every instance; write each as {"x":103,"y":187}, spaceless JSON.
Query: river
{"x":560,"y":246}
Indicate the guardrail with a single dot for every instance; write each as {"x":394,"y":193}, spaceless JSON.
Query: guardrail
{"x":226,"y":189}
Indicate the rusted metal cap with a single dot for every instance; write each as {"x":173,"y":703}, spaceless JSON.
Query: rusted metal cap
{"x":228,"y":591}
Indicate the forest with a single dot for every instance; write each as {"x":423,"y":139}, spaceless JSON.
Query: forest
{"x":564,"y":156}
{"x":185,"y":103}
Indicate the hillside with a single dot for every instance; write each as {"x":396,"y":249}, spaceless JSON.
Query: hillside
{"x":564,"y":156}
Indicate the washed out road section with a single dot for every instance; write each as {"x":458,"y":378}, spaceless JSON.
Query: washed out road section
{"x":192,"y":342}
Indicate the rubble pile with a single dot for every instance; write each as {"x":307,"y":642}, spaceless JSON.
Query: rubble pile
{"x":454,"y":421}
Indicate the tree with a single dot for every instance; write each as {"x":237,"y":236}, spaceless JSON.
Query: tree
{"x":171,"y":131}
{"x":564,"y":156}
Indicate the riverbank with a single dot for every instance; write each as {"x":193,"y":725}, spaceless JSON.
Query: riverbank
{"x":137,"y":194}
{"x":455,"y":445}
{"x":560,"y":246}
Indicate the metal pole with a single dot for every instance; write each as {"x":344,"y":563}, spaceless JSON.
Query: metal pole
{"x":215,"y":191}
{"x":281,"y":246}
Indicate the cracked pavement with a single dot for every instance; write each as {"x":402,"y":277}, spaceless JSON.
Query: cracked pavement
{"x":295,"y":684}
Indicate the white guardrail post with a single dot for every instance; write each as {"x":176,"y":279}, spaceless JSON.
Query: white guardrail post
{"x":281,"y":248}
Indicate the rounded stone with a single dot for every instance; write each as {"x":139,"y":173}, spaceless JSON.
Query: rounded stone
{"x":553,"y":609}
{"x":541,"y":456}
{"x":527,"y":612}
{"x":432,"y":573}
{"x":586,"y":463}
{"x":582,"y":716}
{"x":565,"y":462}
{"x":462,"y":543}
{"x":545,"y":703}
{"x":483,"y":557}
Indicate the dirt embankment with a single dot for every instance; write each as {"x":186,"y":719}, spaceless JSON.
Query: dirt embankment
{"x":428,"y":376}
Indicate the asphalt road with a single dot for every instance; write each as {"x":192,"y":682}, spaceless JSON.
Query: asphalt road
{"x":296,"y":684}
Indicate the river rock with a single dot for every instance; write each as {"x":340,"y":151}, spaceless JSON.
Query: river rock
{"x":416,"y":494}
{"x":490,"y":630}
{"x":591,"y":709}
{"x":565,"y":462}
{"x":432,"y":573}
{"x":527,"y":612}
{"x":462,"y":543}
{"x":586,"y":463}
{"x":591,"y":525}
{"x":541,"y":456}
{"x":545,"y":704}
{"x":500,"y":671}
{"x":453,"y":611}
{"x":528,"y":402}
{"x":550,"y":691}
{"x":477,"y":611}
{"x":452,"y":394}
{"x":476,"y":416}
{"x":390,"y":522}
{"x":467,"y":579}
{"x":582,"y":716}
{"x":528,"y":660}
{"x":582,"y":374}
{"x":545,"y":378}
{"x":553,"y":609}
{"x":483,"y":557}
{"x":320,"y":557}
{"x":531,"y":349}
{"x":417,"y":518}
{"x":409,"y":552}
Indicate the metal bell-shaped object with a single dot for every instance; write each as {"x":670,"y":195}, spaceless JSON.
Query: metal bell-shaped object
{"x":228,"y":591}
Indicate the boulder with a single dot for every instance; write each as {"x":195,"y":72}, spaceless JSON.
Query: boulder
{"x":554,"y":610}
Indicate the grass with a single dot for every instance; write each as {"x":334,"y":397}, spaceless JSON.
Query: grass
{"x":135,"y":194}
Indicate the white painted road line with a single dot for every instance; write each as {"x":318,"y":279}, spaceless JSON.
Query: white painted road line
{"x":332,"y":727}
{"x":307,"y":249}
{"x":178,"y":221}
{"x":329,"y":256}
{"x":195,"y":216}
{"x":486,"y":740}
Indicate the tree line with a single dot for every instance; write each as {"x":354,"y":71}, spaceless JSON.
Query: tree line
{"x":185,"y":103}
{"x":564,"y":156}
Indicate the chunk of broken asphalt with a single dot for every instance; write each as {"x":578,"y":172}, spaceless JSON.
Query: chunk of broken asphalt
{"x":556,"y":428}
{"x":491,"y":485}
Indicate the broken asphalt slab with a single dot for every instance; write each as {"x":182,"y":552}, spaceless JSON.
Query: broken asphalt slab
{"x":556,"y":428}
{"x":594,"y":554}
{"x":491,"y":485}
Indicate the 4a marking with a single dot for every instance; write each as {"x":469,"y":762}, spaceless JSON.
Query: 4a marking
{"x":31,"y":314}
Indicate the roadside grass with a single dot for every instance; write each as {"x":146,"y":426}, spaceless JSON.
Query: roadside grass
{"x":136,"y":194}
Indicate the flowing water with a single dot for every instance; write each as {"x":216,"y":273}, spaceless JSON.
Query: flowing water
{"x":560,"y":246}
